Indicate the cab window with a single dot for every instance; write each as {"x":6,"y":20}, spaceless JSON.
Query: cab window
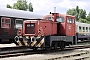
{"x":73,"y":20}
{"x":5,"y":22}
{"x":48,"y":18}
{"x":60,"y":19}
{"x":70,"y":20}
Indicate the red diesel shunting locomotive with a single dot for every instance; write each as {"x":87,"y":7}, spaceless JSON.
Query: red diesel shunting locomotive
{"x":53,"y":30}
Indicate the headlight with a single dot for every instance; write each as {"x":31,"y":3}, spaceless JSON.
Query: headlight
{"x":28,"y":25}
{"x":32,"y":25}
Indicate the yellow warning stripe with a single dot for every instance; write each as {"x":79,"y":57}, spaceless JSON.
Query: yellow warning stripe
{"x":31,"y":36}
{"x":25,"y":42}
{"x":33,"y":43}
{"x":20,"y":36}
{"x":19,"y":43}
{"x":27,"y":37}
{"x":41,"y":42}
{"x":39,"y":37}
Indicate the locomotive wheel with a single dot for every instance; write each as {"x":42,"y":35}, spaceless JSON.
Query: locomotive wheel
{"x":35,"y":49}
{"x":62,"y":46}
{"x":0,"y":40}
{"x":48,"y":48}
{"x":55,"y":46}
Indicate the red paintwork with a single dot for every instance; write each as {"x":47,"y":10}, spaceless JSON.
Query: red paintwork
{"x":66,"y":29}
{"x":49,"y":27}
{"x":42,"y":27}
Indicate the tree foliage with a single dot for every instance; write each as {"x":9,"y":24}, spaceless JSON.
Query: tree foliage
{"x":71,"y":11}
{"x":88,"y":17}
{"x":80,"y":14}
{"x":8,"y":6}
{"x":83,"y":20}
{"x":30,"y":7}
{"x":77,"y":12}
{"x":22,"y":5}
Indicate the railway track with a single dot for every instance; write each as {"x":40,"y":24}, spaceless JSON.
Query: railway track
{"x":21,"y":51}
{"x":83,"y":42}
{"x":71,"y":56}
{"x":17,"y":51}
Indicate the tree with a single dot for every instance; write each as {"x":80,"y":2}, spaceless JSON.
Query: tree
{"x":22,"y":5}
{"x":71,"y":12}
{"x":74,"y":12}
{"x":80,"y":14}
{"x":83,"y":20}
{"x":8,"y":6}
{"x":77,"y":12}
{"x":30,"y":7}
{"x":88,"y":17}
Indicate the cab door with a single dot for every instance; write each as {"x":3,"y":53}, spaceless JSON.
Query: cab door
{"x":70,"y":26}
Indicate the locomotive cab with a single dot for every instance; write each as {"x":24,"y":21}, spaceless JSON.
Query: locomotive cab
{"x":65,"y":23}
{"x":70,"y":26}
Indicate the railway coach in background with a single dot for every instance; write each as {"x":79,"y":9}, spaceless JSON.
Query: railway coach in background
{"x":83,"y":31}
{"x":11,"y":20}
{"x":52,"y":31}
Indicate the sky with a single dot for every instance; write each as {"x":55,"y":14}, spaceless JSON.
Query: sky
{"x":45,"y":6}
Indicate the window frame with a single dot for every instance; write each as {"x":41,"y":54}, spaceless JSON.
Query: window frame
{"x":19,"y":23}
{"x":89,"y":29}
{"x":5,"y":22}
{"x":86,"y":29}
{"x":80,"y":29}
{"x":71,"y":21}
{"x":83,"y":29}
{"x":18,"y":19}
